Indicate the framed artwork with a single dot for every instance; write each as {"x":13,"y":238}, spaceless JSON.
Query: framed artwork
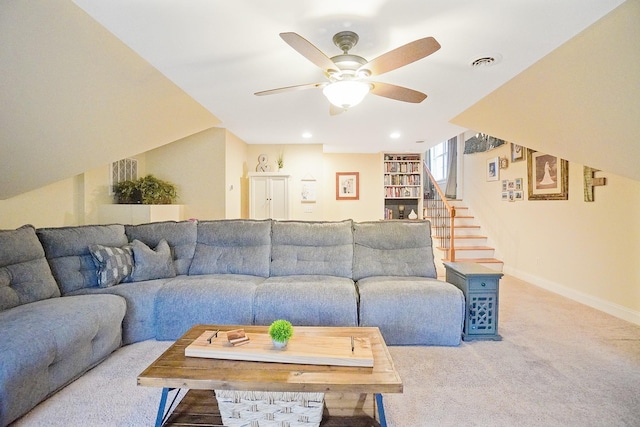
{"x":308,"y":191}
{"x":505,"y":185}
{"x":519,"y":195}
{"x":548,"y":176}
{"x":347,"y":185}
{"x":493,"y":169}
{"x":518,"y":184}
{"x":517,"y":152}
{"x":504,"y":196}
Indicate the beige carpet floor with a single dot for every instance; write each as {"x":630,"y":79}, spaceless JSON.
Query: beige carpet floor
{"x":560,"y":363}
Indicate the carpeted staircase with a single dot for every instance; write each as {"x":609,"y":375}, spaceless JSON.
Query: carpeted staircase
{"x":469,"y":242}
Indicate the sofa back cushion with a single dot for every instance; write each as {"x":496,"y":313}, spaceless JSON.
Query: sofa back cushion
{"x":231,"y":246}
{"x":307,"y":247}
{"x":181,"y":237}
{"x":25,"y":275}
{"x":393,"y":248}
{"x":67,"y":250}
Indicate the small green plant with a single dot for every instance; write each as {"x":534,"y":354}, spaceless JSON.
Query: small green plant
{"x":281,"y":330}
{"x":127,"y":192}
{"x":280,"y":160}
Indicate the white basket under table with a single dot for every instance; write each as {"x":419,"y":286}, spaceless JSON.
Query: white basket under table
{"x":270,"y":409}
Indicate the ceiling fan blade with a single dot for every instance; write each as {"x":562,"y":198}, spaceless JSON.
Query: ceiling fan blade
{"x":309,"y":51}
{"x":398,"y":93}
{"x":402,"y":56}
{"x":291,"y":88}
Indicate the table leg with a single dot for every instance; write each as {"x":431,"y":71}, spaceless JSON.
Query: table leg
{"x":162,"y":413}
{"x":381,"y":415}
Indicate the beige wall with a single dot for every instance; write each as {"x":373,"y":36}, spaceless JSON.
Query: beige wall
{"x":54,"y":205}
{"x":196,"y":165}
{"x":584,"y":250}
{"x":300,"y":162}
{"x":580,"y":102}
{"x":74,"y":97}
{"x":309,"y":162}
{"x":370,"y":206}
{"x":235,"y":176}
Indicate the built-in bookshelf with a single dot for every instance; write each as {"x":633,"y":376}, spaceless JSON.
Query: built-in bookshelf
{"x":402,"y":184}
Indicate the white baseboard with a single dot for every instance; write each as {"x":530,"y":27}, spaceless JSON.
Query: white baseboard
{"x":608,"y":307}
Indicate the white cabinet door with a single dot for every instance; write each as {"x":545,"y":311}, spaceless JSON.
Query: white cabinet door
{"x":269,"y":196}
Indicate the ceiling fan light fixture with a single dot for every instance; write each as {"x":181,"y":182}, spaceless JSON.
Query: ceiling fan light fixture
{"x":346,"y":93}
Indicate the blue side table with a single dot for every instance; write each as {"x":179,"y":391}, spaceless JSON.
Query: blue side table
{"x":480,"y":286}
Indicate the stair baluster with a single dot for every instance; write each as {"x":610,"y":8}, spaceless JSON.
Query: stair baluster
{"x":442,"y":222}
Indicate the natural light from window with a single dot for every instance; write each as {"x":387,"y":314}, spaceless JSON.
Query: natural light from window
{"x":438,"y":161}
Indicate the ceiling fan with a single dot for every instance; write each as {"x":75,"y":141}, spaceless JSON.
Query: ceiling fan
{"x":348,"y":74}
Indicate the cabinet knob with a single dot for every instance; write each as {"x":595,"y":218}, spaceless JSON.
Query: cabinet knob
{"x":483,"y":284}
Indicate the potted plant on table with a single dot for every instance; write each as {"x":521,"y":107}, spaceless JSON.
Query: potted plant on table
{"x":280,"y":332}
{"x":147,"y":190}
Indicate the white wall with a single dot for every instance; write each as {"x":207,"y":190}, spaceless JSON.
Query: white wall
{"x":587,"y":251}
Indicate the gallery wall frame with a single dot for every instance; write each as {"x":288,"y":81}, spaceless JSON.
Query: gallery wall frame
{"x":347,"y":185}
{"x":493,"y":169}
{"x":309,"y":190}
{"x":518,"y":152}
{"x":548,"y":176}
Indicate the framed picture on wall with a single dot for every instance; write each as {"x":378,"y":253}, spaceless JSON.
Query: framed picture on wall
{"x":308,"y":190}
{"x":493,"y":169}
{"x":548,"y":176}
{"x":347,"y":185}
{"x":517,"y":152}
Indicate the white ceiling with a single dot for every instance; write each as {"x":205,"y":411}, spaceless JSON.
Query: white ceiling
{"x":221,"y":52}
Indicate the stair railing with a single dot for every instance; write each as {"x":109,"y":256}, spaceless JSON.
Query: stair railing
{"x":442,"y":215}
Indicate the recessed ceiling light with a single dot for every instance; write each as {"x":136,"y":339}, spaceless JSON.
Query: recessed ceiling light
{"x":394,"y":135}
{"x":307,"y":135}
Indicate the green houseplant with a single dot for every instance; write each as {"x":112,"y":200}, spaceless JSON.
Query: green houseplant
{"x":280,"y":161}
{"x":280,"y":332}
{"x":147,"y":190}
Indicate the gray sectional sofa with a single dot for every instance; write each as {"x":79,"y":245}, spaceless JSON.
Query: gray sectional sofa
{"x":69,"y":296}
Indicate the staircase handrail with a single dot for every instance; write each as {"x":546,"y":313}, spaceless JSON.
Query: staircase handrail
{"x":448,"y":238}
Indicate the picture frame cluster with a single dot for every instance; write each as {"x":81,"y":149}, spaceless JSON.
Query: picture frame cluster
{"x":512,"y":190}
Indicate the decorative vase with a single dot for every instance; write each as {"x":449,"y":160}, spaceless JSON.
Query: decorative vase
{"x":279,"y":344}
{"x":413,"y":215}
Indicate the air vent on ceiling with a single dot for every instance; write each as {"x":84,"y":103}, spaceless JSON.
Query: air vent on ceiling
{"x":486,"y":60}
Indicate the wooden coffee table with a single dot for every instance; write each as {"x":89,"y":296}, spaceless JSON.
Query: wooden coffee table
{"x":173,"y":370}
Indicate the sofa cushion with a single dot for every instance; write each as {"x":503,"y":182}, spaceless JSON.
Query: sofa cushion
{"x":152,"y":263}
{"x":393,"y":248}
{"x":307,"y":300}
{"x":139,"y":320}
{"x":221,"y":299}
{"x":47,"y":344}
{"x":180,"y":235}
{"x":114,"y":264}
{"x":25,"y":275}
{"x":412,"y":310}
{"x":306,"y":247}
{"x":67,"y":250}
{"x":232,"y":247}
